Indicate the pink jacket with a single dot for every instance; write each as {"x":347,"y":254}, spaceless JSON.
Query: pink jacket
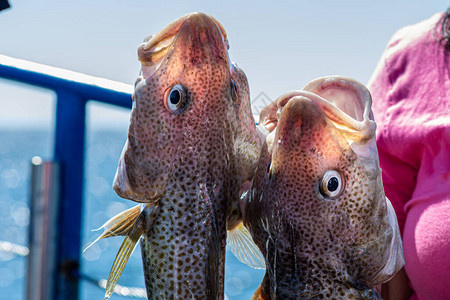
{"x":411,"y":103}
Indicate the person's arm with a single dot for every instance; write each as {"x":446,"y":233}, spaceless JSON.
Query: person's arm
{"x":397,"y":288}
{"x":399,"y":173}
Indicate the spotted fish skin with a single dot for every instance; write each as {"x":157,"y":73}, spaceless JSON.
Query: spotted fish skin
{"x":191,"y":162}
{"x":315,"y":246}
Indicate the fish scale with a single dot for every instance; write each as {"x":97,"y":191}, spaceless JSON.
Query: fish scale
{"x":188,"y":225}
{"x":192,"y":143}
{"x":322,"y":240}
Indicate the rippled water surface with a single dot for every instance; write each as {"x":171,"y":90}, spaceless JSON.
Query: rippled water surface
{"x":103,"y":149}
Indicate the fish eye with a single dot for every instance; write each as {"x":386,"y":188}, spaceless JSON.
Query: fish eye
{"x":175,"y":100}
{"x":332,"y":184}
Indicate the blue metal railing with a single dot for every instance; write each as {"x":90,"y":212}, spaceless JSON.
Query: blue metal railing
{"x":73,"y":91}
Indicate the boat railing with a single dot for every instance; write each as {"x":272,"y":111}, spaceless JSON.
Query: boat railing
{"x":73,"y":91}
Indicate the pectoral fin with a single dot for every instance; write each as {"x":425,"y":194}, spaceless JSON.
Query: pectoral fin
{"x":242,"y":246}
{"x":119,"y":225}
{"x":143,"y":222}
{"x":258,"y":294}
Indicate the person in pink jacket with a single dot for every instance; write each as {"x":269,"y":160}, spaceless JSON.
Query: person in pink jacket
{"x":411,"y":103}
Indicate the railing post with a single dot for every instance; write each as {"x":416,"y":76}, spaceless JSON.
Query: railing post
{"x":72,"y":90}
{"x":69,"y":152}
{"x":43,"y":229}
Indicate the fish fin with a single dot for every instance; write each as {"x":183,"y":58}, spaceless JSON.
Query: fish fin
{"x":143,"y":222}
{"x":118,"y":225}
{"x":258,"y":294}
{"x":243,"y":247}
{"x":234,"y":217}
{"x":263,"y":132}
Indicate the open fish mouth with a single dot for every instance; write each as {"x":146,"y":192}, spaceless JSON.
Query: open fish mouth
{"x":350,"y":112}
{"x":193,"y":40}
{"x":160,"y":42}
{"x":191,"y":30}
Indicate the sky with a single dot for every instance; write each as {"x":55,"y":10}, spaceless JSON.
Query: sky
{"x":280,"y":45}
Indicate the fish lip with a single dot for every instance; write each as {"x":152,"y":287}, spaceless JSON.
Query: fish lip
{"x":192,"y":32}
{"x":175,"y":27}
{"x":359,"y":131}
{"x":284,"y":99}
{"x":292,"y":117}
{"x":205,"y":20}
{"x":202,"y":33}
{"x":290,"y":101}
{"x":294,"y":106}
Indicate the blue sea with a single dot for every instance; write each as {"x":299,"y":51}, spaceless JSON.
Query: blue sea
{"x":103,"y":148}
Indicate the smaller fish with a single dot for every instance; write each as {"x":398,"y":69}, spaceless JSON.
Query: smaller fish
{"x":316,"y":208}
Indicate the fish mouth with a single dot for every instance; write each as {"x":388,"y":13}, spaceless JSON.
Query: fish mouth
{"x":345,"y":102}
{"x":293,"y":114}
{"x":189,"y":40}
{"x":192,"y":33}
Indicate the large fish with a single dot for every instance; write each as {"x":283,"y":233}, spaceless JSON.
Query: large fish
{"x":192,"y":143}
{"x":317,"y":208}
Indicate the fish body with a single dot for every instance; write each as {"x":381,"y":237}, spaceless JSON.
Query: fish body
{"x":316,"y":208}
{"x":192,"y":143}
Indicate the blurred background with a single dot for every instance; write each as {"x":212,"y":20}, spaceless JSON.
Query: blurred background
{"x":280,"y":46}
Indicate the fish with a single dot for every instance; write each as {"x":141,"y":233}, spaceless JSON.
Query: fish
{"x":192,"y":144}
{"x":316,"y":208}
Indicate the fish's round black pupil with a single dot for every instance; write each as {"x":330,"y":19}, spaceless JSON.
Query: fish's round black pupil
{"x":175,"y":97}
{"x":333,"y":184}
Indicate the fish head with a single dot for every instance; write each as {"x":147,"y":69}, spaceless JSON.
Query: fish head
{"x":319,"y":177}
{"x":187,"y":87}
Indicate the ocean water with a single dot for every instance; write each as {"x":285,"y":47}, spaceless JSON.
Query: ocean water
{"x":103,"y":148}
